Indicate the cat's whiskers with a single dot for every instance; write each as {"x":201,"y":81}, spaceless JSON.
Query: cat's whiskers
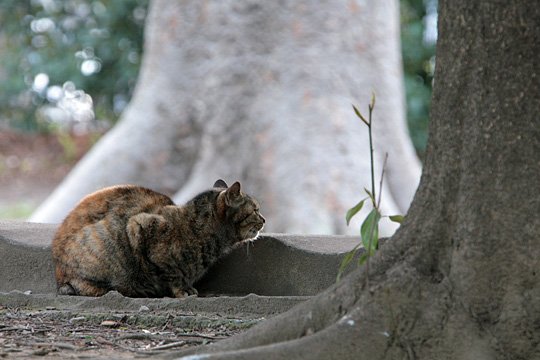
{"x":250,"y":241}
{"x":247,"y":247}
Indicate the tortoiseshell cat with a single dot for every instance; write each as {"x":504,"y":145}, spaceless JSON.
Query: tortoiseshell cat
{"x":137,"y":242}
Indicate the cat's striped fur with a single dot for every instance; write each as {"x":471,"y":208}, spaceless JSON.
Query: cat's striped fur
{"x":137,"y":242}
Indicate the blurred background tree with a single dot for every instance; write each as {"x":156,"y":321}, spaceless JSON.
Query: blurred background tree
{"x":74,"y":63}
{"x":418,"y":38}
{"x":69,"y":67}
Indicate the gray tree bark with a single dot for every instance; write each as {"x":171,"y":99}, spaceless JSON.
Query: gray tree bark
{"x":261,"y":91}
{"x":459,"y":280}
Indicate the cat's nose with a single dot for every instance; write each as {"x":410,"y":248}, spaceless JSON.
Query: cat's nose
{"x":263,"y":219}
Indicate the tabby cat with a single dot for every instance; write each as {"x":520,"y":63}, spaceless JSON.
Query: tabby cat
{"x":137,"y":242}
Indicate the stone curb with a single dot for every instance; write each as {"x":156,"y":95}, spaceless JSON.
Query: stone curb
{"x":274,"y":265}
{"x":247,"y":306}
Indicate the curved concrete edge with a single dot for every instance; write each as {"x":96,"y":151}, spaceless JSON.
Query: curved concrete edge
{"x":278,"y":265}
{"x":26,"y":257}
{"x":27,"y":233}
{"x":250,"y":305}
{"x":273,"y":265}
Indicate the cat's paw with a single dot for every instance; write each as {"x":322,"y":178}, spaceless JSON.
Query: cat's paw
{"x":66,"y":289}
{"x":184,"y":292}
{"x":192,"y":291}
{"x":179,"y":293}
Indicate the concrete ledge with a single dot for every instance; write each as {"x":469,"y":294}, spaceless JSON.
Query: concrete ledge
{"x":274,"y":265}
{"x":250,"y":305}
{"x":279,"y":265}
{"x":26,"y":257}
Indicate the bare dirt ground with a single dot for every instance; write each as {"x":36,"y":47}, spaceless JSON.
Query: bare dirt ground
{"x":55,"y":334}
{"x":118,"y":327}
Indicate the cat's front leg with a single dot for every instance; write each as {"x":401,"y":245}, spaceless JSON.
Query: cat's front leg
{"x":181,"y":292}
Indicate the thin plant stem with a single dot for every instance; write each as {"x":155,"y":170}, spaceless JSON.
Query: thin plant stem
{"x":371,"y":154}
{"x":375,"y":214}
{"x":372,"y":227}
{"x":381,"y":182}
{"x":371,"y":231}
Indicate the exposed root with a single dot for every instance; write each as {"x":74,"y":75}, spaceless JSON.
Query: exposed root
{"x":403,"y":313}
{"x":360,"y":334}
{"x":345,"y":312}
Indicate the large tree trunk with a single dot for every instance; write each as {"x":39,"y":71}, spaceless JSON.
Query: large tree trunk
{"x":261,"y":91}
{"x":459,"y":280}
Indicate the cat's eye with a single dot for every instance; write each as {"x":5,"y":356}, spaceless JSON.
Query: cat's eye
{"x":245,"y":218}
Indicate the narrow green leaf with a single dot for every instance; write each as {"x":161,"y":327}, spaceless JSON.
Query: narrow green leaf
{"x":375,"y":243}
{"x":370,"y":230}
{"x":372,"y":103}
{"x":365,"y":239}
{"x":363,"y":258}
{"x":353,"y":211}
{"x":346,"y":261}
{"x":370,"y":195}
{"x":396,"y":218}
{"x":360,"y":115}
{"x":365,"y":255}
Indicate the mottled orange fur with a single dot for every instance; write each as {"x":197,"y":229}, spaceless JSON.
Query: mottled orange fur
{"x":136,"y":241}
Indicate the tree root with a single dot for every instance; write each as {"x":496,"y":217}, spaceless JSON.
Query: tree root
{"x":406,"y":313}
{"x":336,"y":324}
{"x":339,"y":341}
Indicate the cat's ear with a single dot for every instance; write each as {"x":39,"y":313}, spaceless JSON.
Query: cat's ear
{"x":232,"y":193}
{"x":220,"y":184}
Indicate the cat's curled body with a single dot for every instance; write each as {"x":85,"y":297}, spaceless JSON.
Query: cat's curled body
{"x":137,"y":242}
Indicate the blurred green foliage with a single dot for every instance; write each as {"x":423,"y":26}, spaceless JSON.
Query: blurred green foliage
{"x":418,"y":37}
{"x":15,"y":211}
{"x":95,"y":44}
